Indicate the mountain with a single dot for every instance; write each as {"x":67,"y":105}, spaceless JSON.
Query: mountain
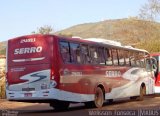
{"x":129,"y":31}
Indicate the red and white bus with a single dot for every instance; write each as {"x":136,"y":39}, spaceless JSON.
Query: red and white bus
{"x":156,"y":68}
{"x":59,"y":70}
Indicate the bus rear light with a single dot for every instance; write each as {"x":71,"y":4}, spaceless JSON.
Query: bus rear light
{"x":52,"y":77}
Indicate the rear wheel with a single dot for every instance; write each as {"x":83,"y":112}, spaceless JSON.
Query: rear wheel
{"x":98,"y":100}
{"x":99,"y":97}
{"x":60,"y":105}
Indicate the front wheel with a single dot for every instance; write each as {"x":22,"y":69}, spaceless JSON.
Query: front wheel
{"x":142,"y":93}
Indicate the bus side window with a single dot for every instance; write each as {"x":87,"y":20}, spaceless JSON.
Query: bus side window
{"x":132,"y":59}
{"x":101,"y":55}
{"x":142,"y":64}
{"x":121,"y":57}
{"x":127,"y":60}
{"x":93,"y":55}
{"x":75,"y":53}
{"x":115,"y":56}
{"x":108,"y":56}
{"x":148,"y":65}
{"x":141,"y":59}
{"x":137,"y":59}
{"x":64,"y":48}
{"x":85,"y":54}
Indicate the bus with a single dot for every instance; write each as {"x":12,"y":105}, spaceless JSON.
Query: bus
{"x":60,"y":70}
{"x":156,"y":68}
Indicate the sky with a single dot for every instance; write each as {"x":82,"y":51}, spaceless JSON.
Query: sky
{"x":21,"y":17}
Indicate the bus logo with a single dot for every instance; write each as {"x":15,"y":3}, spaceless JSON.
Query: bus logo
{"x":113,"y":74}
{"x":34,"y":77}
{"x":28,"y":50}
{"x":28,"y":40}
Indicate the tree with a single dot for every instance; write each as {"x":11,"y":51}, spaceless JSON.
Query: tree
{"x":44,"y":30}
{"x":150,"y":11}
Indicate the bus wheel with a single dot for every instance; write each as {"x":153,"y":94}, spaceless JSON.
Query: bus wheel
{"x":60,"y":105}
{"x":142,"y":93}
{"x":99,"y":97}
{"x":98,"y":100}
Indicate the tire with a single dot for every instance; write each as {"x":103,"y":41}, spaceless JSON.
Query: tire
{"x":98,"y":100}
{"x":60,"y":105}
{"x":142,"y":93}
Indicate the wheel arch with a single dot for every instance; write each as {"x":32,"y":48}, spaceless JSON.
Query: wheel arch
{"x":103,"y":88}
{"x":143,"y":84}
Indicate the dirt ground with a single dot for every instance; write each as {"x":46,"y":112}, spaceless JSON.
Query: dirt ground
{"x":152,"y":103}
{"x":148,"y":102}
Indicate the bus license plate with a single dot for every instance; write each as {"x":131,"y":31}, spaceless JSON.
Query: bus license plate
{"x":27,"y":94}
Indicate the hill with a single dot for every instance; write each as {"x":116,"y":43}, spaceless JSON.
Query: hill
{"x":3,"y":47}
{"x":131,"y":31}
{"x":138,"y":33}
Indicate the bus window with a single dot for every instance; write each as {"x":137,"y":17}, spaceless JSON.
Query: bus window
{"x":142,"y":60}
{"x":75,"y":53}
{"x":132,"y":59}
{"x":108,"y":56}
{"x":121,"y":57}
{"x":127,"y":59}
{"x":148,"y":64}
{"x":101,"y":56}
{"x":85,"y":54}
{"x":93,"y":55}
{"x":64,"y":48}
{"x":115,"y":56}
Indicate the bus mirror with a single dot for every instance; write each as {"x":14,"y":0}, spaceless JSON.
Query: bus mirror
{"x":154,"y":65}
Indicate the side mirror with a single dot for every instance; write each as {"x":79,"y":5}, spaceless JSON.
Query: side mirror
{"x":154,"y":64}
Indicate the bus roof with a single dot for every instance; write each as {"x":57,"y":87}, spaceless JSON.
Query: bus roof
{"x":113,"y":43}
{"x":90,"y":40}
